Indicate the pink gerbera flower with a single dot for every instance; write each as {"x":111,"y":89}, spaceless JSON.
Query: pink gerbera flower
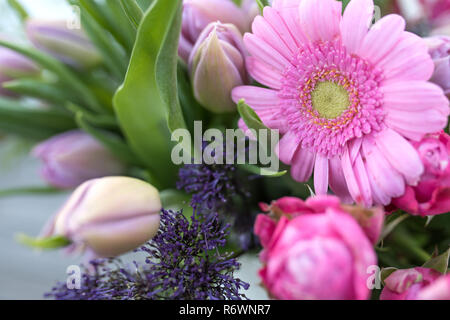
{"x":345,"y":97}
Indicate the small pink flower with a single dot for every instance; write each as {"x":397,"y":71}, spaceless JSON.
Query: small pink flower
{"x":416,"y":284}
{"x":346,"y":97}
{"x":197,"y":14}
{"x":317,"y":252}
{"x":432,"y":195}
{"x":71,"y":158}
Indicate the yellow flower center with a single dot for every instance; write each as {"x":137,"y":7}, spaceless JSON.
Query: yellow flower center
{"x":330,"y":99}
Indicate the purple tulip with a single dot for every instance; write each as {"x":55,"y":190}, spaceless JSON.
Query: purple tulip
{"x":217,"y":65}
{"x":70,"y":46}
{"x":197,"y":14}
{"x":74,"y":157}
{"x":108,"y":217}
{"x":439,"y":49}
{"x":13,"y":65}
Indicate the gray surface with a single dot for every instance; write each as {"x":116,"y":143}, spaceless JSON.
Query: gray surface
{"x":27,"y":274}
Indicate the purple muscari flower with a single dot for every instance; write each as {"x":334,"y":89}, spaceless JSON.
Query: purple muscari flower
{"x":182,"y":263}
{"x":439,"y":49}
{"x":217,"y":66}
{"x":74,"y":157}
{"x":70,"y":46}
{"x":13,"y":65}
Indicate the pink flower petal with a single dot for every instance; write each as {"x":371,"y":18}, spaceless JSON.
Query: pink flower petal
{"x":382,"y":38}
{"x":400,"y":154}
{"x":320,"y":20}
{"x":409,"y":60}
{"x":357,"y":180}
{"x":287,"y":147}
{"x":356,"y":22}
{"x":337,"y":180}
{"x":302,"y":165}
{"x":255,"y":97}
{"x":263,"y":73}
{"x":321,"y":175}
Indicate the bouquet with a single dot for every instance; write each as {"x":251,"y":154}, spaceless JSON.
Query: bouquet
{"x":308,"y":134}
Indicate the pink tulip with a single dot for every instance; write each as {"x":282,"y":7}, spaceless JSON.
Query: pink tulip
{"x":432,"y":195}
{"x":108,"y":217}
{"x":320,"y":252}
{"x":197,"y":14}
{"x":416,"y":284}
{"x":74,"y":157}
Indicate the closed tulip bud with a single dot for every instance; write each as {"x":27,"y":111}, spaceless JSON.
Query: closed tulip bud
{"x":197,"y":14}
{"x":70,"y":46}
{"x":439,"y":49}
{"x":74,"y":157}
{"x":217,"y":65}
{"x":13,"y":65}
{"x":108,"y":217}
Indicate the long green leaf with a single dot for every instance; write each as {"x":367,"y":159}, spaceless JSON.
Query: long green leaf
{"x":133,"y":12}
{"x":142,"y":109}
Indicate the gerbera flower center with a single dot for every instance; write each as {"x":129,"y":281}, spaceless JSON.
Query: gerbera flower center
{"x":330,"y":99}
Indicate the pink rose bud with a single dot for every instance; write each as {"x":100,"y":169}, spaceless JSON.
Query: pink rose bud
{"x":74,"y":157}
{"x":197,"y":14}
{"x":217,"y":65}
{"x":108,"y":217}
{"x":70,"y":46}
{"x":370,"y":220}
{"x":13,"y":65}
{"x":432,"y":195}
{"x":416,"y":284}
{"x":439,"y":49}
{"x":318,"y":253}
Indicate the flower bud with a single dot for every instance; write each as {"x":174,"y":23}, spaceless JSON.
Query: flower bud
{"x":431,"y":196}
{"x":317,"y":251}
{"x":217,"y":65}
{"x":197,"y":14}
{"x":13,"y":65}
{"x":416,"y":284}
{"x":70,"y":46}
{"x":74,"y":157}
{"x":439,"y":49}
{"x":108,"y":217}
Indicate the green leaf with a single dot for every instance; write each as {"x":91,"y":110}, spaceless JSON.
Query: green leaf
{"x":133,"y":12}
{"x":37,"y":89}
{"x":111,"y":141}
{"x":18,"y":8}
{"x":439,"y":263}
{"x":262,"y":171}
{"x":33,"y":123}
{"x":29,"y":190}
{"x":144,"y":101}
{"x":66,"y":76}
{"x":49,"y":243}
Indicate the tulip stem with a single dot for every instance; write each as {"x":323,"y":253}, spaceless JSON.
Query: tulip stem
{"x":409,"y":246}
{"x":19,"y":9}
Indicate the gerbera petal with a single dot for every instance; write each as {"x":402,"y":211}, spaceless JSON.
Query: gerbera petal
{"x":382,"y":38}
{"x":409,"y":60}
{"x":400,"y":154}
{"x":289,"y":12}
{"x":256,"y":97}
{"x":321,"y":175}
{"x":320,"y":20}
{"x":265,"y":52}
{"x":302,"y":165}
{"x":386,"y":182}
{"x":355,"y":23}
{"x":263,"y":73}
{"x":356,"y":178}
{"x":287,"y":147}
{"x":337,"y":180}
{"x":414,"y":96}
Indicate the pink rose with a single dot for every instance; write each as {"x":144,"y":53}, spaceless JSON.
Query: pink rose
{"x":370,"y":220}
{"x":416,"y":284}
{"x":320,"y":253}
{"x":432,"y":195}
